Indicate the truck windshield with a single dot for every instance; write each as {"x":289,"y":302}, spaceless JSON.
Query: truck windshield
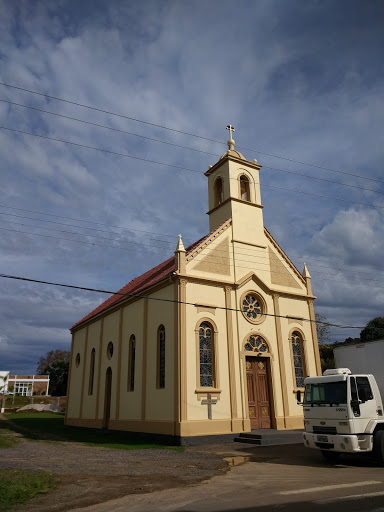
{"x":326,"y":393}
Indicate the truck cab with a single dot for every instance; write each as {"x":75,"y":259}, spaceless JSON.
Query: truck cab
{"x":343,"y":413}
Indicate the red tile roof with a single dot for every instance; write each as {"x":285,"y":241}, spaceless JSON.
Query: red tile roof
{"x":140,"y":283}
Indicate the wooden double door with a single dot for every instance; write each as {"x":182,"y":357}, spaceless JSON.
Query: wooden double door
{"x":258,"y":392}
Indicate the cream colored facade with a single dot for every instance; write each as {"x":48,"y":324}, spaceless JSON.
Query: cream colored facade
{"x":209,"y":284}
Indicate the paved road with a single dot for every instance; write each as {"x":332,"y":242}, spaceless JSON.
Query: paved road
{"x":284,"y":478}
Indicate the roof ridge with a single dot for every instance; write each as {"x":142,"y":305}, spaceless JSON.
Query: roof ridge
{"x":144,"y":280}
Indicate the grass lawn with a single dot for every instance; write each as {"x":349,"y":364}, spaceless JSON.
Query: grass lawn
{"x":50,"y":426}
{"x":20,"y":401}
{"x":17,"y":486}
{"x":7,"y":438}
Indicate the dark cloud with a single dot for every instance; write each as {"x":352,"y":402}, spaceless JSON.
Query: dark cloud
{"x":300,"y":79}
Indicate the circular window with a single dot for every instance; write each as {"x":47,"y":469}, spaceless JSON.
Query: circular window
{"x":110,"y":350}
{"x":256,"y":344}
{"x":253,"y":307}
{"x":77,"y":360}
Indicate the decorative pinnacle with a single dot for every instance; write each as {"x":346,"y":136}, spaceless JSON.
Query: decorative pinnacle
{"x":230,"y":142}
{"x":306,"y":273}
{"x":180,"y":245}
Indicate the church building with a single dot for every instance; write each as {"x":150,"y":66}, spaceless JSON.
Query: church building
{"x":215,"y":340}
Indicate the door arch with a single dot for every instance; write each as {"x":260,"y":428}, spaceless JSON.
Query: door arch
{"x":107,"y":397}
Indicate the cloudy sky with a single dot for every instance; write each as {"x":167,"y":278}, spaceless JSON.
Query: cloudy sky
{"x":302,"y":82}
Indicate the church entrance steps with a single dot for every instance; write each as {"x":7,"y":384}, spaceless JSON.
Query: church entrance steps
{"x":264,"y":437}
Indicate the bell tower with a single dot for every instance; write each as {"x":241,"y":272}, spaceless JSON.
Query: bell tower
{"x":234,"y":193}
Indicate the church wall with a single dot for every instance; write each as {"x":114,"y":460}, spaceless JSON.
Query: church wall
{"x":252,"y":258}
{"x":267,"y":330}
{"x":296,"y":308}
{"x":110,"y":333}
{"x":160,"y":403}
{"x":132,"y":324}
{"x":219,"y":215}
{"x":89,"y":404}
{"x":247,"y":221}
{"x":78,"y":347}
{"x":211,"y":295}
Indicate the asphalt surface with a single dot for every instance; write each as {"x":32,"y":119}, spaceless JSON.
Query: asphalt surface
{"x":283,"y":478}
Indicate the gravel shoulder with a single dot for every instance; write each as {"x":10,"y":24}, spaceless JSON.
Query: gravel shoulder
{"x":91,"y":475}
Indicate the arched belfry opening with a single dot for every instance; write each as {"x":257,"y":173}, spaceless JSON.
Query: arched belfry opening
{"x":218,"y":192}
{"x":244,"y":188}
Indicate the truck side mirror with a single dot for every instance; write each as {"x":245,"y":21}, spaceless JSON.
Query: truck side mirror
{"x":298,"y":396}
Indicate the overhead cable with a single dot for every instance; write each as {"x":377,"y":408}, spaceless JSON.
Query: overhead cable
{"x":139,"y":296}
{"x":187,"y":133}
{"x":125,"y":155}
{"x":187,"y":148}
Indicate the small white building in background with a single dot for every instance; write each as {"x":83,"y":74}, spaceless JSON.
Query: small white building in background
{"x":24,"y":385}
{"x":365,"y":357}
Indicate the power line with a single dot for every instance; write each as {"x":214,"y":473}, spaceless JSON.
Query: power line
{"x":252,"y":265}
{"x":72,"y":226}
{"x":188,"y":133}
{"x":125,"y":155}
{"x":182,"y":168}
{"x":139,"y":296}
{"x":305,"y":258}
{"x":109,"y":128}
{"x":82,"y":220}
{"x":322,"y":179}
{"x":185,"y":147}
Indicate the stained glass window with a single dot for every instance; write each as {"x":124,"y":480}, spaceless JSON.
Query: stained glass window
{"x":206,"y":354}
{"x":251,"y":307}
{"x":256,"y":344}
{"x":297,"y":359}
{"x":161,"y":360}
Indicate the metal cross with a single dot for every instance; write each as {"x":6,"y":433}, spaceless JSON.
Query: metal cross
{"x":209,"y":401}
{"x":231,"y":129}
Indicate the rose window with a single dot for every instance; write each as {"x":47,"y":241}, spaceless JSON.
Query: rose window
{"x":251,"y":307}
{"x":256,"y":344}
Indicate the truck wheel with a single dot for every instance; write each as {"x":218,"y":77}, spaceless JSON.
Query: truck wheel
{"x":378,"y":447}
{"x":330,"y":456}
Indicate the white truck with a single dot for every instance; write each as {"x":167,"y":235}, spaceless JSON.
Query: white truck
{"x":343,"y":413}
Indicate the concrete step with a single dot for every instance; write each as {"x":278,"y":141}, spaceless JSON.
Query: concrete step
{"x":270,"y":437}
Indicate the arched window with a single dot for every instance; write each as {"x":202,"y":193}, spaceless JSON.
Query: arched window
{"x":298,"y":358}
{"x":244,"y":188}
{"x":256,"y":344}
{"x":131,"y":363}
{"x":218,"y":192}
{"x":161,"y":357}
{"x":206,"y":353}
{"x":91,"y":372}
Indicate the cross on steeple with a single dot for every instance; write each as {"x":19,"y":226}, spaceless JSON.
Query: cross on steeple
{"x":230,"y":142}
{"x":231,"y":129}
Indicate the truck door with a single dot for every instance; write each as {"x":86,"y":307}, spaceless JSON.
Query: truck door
{"x":363,"y":403}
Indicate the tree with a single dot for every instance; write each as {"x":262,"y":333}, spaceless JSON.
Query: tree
{"x":322,"y":328}
{"x":56,"y":365}
{"x":4,"y":378}
{"x":374,"y":330}
{"x":326,"y":356}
